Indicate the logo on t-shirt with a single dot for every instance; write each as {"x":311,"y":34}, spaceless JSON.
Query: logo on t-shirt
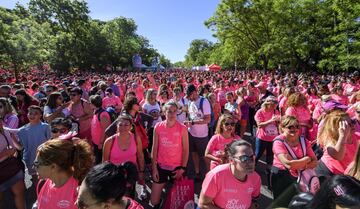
{"x":235,"y":204}
{"x":250,"y":190}
{"x":63,"y":204}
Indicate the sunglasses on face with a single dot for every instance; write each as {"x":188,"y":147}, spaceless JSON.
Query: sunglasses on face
{"x":124,"y":124}
{"x":57,"y":130}
{"x":293,"y":127}
{"x":246,"y":158}
{"x":80,"y":204}
{"x":37,"y":164}
{"x":357,"y":111}
{"x":230,"y":124}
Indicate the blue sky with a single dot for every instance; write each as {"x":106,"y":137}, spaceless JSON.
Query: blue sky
{"x":170,"y":25}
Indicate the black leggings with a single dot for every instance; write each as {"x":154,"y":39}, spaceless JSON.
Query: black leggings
{"x":283,"y":185}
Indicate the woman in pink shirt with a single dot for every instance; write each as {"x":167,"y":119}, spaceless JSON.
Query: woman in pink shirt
{"x":111,"y":100}
{"x":224,"y":134}
{"x":170,"y":152}
{"x":105,"y":186}
{"x":124,"y":146}
{"x":285,"y":169}
{"x":81,"y":111}
{"x":267,"y":119}
{"x":339,"y":142}
{"x":338,"y":95}
{"x":297,"y":107}
{"x":63,"y":164}
{"x":235,"y":184}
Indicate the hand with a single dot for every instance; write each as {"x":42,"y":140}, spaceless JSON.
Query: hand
{"x":100,"y":146}
{"x":155,"y":174}
{"x":10,"y":152}
{"x":178,"y":173}
{"x":187,"y":123}
{"x":344,"y":131}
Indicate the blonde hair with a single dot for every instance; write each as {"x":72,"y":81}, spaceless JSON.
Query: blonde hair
{"x":288,"y":120}
{"x":329,"y":134}
{"x":148,"y":94}
{"x":221,"y":121}
{"x":74,"y":157}
{"x":296,"y":100}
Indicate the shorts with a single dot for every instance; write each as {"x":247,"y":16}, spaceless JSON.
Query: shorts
{"x":164,"y":175}
{"x":19,"y":176}
{"x":198,"y":145}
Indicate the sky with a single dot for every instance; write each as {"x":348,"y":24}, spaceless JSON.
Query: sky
{"x":170,"y":25}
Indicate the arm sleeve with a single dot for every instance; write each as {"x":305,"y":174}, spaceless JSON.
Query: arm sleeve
{"x":209,"y":186}
{"x":257,"y":187}
{"x":206,"y":107}
{"x":279,"y":148}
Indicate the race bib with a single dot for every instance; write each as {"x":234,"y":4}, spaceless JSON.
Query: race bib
{"x":271,"y":130}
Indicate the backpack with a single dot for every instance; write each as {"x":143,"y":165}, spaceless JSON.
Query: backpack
{"x":111,"y":111}
{"x":307,"y":181}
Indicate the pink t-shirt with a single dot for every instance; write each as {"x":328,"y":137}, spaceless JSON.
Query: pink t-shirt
{"x":133,"y":204}
{"x":51,"y":197}
{"x":227,"y":191}
{"x":280,"y":148}
{"x":352,"y":109}
{"x":217,"y":143}
{"x":96,"y":130}
{"x":119,"y":156}
{"x":338,"y":167}
{"x":78,"y":110}
{"x":282,"y":104}
{"x":270,"y":131}
{"x":111,"y":101}
{"x":341,"y":99}
{"x":170,"y":144}
{"x":221,"y":98}
{"x":301,"y":113}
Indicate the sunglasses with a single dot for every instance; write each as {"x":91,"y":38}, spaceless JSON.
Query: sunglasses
{"x":246,"y":158}
{"x":357,"y":111}
{"x":37,"y":164}
{"x":57,"y":130}
{"x":293,"y":127}
{"x":80,"y":204}
{"x":124,"y":124}
{"x":230,"y":124}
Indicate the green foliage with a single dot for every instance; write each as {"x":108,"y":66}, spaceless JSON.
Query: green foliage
{"x":198,"y":53}
{"x":62,"y":34}
{"x":301,"y":34}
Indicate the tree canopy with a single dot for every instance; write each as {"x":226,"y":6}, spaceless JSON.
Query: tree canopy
{"x":62,"y":34}
{"x":321,"y":35}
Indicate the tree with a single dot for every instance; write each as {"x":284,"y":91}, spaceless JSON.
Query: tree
{"x":198,"y":53}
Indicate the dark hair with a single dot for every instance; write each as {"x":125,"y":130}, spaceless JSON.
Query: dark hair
{"x":76,"y":90}
{"x":62,"y":121}
{"x":109,"y":90}
{"x":96,"y":100}
{"x":108,"y":181}
{"x":51,"y":101}
{"x":230,"y":149}
{"x":27,"y":98}
{"x":35,"y":107}
{"x":129,"y":102}
{"x":339,"y":190}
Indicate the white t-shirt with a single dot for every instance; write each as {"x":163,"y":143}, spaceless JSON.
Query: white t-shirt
{"x":195,"y":113}
{"x":154,"y":111}
{"x":180,"y":115}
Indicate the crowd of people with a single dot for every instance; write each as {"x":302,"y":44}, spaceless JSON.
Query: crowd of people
{"x":88,"y":140}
